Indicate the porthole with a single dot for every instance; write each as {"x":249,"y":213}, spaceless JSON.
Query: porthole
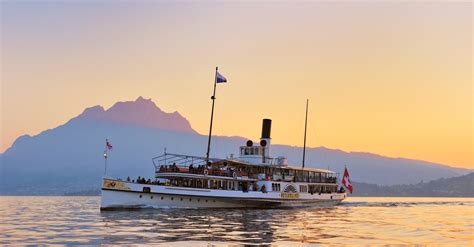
{"x":199,"y":200}
{"x":151,"y":197}
{"x":140,"y":196}
{"x":213,"y":200}
{"x":206,"y":200}
{"x":172,"y":198}
{"x":190,"y":199}
{"x":181,"y":199}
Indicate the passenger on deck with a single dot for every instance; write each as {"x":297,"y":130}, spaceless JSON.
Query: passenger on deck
{"x":128,"y":179}
{"x":200,"y":169}
{"x":191,"y":168}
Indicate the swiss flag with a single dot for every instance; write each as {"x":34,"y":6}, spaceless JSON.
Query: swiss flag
{"x":108,"y":145}
{"x":346,"y":181}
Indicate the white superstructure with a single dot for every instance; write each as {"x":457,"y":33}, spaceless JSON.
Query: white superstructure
{"x":253,"y":179}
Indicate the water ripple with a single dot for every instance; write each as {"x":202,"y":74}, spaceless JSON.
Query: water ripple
{"x":77,"y":220}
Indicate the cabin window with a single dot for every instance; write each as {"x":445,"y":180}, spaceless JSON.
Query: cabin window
{"x":276,"y":187}
{"x":306,"y":176}
{"x":246,"y":152}
{"x":303,"y":188}
{"x":312,"y":188}
{"x":146,"y":189}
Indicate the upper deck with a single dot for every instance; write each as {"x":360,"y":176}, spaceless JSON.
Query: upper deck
{"x":167,"y":165}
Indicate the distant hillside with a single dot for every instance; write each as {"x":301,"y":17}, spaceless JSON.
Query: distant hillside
{"x":69,"y":157}
{"x":462,"y":186}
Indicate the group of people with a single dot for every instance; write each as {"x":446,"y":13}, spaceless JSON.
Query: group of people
{"x":141,"y":180}
{"x":200,"y":169}
{"x":251,"y":187}
{"x":197,"y":170}
{"x":205,"y":169}
{"x":170,"y":168}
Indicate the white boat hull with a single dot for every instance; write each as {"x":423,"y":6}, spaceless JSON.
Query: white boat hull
{"x":124,"y":195}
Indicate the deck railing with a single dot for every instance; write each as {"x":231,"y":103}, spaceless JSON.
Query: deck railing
{"x":177,"y":163}
{"x":181,"y":161}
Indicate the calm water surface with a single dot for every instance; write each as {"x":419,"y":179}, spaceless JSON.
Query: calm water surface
{"x":360,"y":220}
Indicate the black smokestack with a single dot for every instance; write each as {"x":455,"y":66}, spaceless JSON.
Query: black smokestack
{"x":266,"y":128}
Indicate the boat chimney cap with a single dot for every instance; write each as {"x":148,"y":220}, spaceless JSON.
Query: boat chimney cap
{"x":266,"y":128}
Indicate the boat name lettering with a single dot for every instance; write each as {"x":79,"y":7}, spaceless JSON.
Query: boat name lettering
{"x":289,"y":195}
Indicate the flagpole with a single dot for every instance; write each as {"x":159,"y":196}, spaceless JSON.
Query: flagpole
{"x":212,"y":116}
{"x":105,"y":158}
{"x":305,"y":126}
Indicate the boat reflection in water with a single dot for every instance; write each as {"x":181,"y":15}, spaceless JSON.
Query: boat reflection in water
{"x":219,"y":225}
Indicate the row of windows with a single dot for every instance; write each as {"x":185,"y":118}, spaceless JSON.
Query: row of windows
{"x":181,"y":199}
{"x":251,"y":151}
{"x":276,"y":187}
{"x":304,"y":188}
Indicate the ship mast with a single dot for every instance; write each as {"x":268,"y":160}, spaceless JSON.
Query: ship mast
{"x":305,"y":127}
{"x":212,"y":116}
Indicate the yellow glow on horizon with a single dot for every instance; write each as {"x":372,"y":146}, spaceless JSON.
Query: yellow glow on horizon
{"x":388,"y":78}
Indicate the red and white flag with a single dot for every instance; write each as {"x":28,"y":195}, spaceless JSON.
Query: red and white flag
{"x":346,"y":181}
{"x":108,"y":145}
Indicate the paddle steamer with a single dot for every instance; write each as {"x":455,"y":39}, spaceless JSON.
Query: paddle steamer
{"x":253,"y":179}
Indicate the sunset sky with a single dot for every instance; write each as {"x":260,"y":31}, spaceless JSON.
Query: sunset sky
{"x":392,"y":78}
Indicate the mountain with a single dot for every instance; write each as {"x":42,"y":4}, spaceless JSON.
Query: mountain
{"x":68,"y":158}
{"x":139,"y":113}
{"x":443,"y":187}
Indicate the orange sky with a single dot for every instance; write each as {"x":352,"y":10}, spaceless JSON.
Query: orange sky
{"x":392,"y":78}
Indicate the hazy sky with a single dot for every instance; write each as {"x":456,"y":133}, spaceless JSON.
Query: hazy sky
{"x":392,"y":78}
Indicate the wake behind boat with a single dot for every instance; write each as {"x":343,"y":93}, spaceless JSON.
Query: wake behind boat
{"x":253,"y":179}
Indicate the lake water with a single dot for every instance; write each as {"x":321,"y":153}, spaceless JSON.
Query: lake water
{"x":360,"y":220}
